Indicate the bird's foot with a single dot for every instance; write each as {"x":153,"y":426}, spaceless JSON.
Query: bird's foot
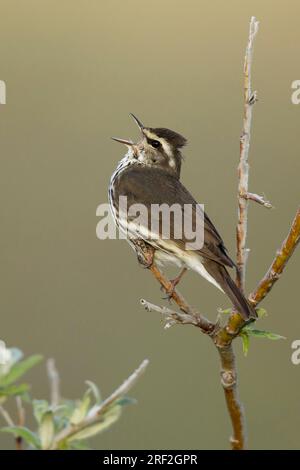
{"x":170,"y":291}
{"x":173,"y":283}
{"x":145,"y":253}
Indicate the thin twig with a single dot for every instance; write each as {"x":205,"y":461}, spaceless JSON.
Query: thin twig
{"x":235,"y":322}
{"x":243,"y":168}
{"x":96,"y":413}
{"x":173,"y":293}
{"x":202,"y":322}
{"x":171,"y":317}
{"x":6,"y":416}
{"x":256,"y":198}
{"x":228,"y":370}
{"x":123,"y":388}
{"x":279,"y":263}
{"x":21,"y":421}
{"x":145,"y":254}
{"x":54,"y":381}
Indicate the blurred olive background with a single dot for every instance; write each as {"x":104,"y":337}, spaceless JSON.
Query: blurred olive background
{"x":74,"y":70}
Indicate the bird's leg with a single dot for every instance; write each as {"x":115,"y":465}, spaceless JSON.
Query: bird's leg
{"x":174,"y":282}
{"x":145,"y":253}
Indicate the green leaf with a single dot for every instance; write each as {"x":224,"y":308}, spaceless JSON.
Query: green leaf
{"x":95,"y":391}
{"x":81,"y":411}
{"x":108,"y":419}
{"x":262,"y":333}
{"x":28,"y":436}
{"x":246,"y":342}
{"x":261,"y":312}
{"x":66,"y":409}
{"x":19,"y":369}
{"x":89,"y":431}
{"x":13,"y":390}
{"x":40,"y":407}
{"x":126,"y":401}
{"x":46,"y":430}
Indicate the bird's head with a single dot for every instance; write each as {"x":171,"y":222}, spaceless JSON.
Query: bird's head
{"x":158,"y":147}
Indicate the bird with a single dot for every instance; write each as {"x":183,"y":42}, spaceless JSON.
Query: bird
{"x":149,"y":174}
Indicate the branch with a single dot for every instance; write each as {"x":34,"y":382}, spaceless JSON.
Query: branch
{"x":279,"y":263}
{"x":200,"y":321}
{"x":256,"y":198}
{"x":243,"y":168}
{"x":6,"y":416}
{"x":172,"y":318}
{"x":235,"y":323}
{"x":54,"y":380}
{"x":95,"y":415}
{"x":145,"y":255}
{"x":21,"y":421}
{"x":224,"y":337}
{"x":235,"y":408}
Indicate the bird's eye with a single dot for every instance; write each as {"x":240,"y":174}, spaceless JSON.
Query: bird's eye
{"x":155,"y":143}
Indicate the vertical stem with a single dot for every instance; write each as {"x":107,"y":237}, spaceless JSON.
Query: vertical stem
{"x":234,"y":406}
{"x":21,"y":422}
{"x":243,"y":168}
{"x":54,"y":380}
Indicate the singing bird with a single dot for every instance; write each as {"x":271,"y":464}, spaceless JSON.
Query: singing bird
{"x":149,"y":174}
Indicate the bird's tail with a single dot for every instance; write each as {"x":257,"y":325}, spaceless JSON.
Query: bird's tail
{"x":222,"y":277}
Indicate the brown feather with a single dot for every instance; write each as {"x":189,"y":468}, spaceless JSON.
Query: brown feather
{"x":149,"y":185}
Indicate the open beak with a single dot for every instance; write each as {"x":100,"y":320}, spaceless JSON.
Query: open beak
{"x":128,"y":143}
{"x":139,"y":123}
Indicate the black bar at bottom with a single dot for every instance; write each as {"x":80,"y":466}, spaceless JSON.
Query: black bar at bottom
{"x":136,"y":458}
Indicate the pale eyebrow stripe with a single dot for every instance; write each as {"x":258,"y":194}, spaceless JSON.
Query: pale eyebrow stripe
{"x":164,"y":144}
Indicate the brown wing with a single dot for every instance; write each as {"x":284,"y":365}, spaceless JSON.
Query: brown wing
{"x":145,"y":185}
